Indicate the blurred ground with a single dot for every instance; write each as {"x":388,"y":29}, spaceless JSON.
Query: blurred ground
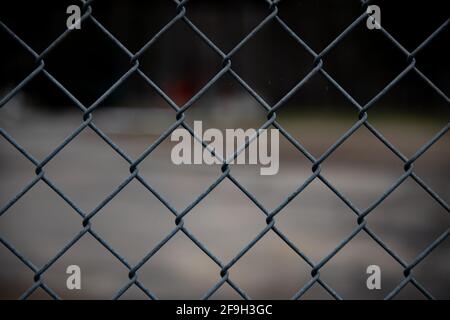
{"x":87,"y":170}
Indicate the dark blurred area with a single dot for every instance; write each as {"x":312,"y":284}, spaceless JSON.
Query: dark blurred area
{"x":87,"y":62}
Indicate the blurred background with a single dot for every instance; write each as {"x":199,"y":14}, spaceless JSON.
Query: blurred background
{"x":87,"y":63}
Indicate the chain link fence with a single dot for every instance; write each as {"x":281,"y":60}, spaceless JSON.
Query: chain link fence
{"x":181,"y":15}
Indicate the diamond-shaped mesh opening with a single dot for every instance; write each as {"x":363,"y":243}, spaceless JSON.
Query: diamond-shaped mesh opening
{"x":409,"y":119}
{"x":180,"y":270}
{"x":272,"y":189}
{"x":271,"y":270}
{"x":226,"y":105}
{"x":181,"y":81}
{"x":361,"y":158}
{"x":409,"y":226}
{"x":141,"y":21}
{"x":102,"y":274}
{"x":89,"y":159}
{"x":412,"y":34}
{"x":272,"y":82}
{"x":35,"y":126}
{"x":159,"y":172}
{"x":307,"y":17}
{"x":85,"y":49}
{"x":211,"y":17}
{"x":134,"y":116}
{"x":133,"y":222}
{"x":317,"y":106}
{"x":375,"y":50}
{"x":28,"y":224}
{"x":353,"y":261}
{"x":213,"y":222}
{"x":38,"y":25}
{"x":316,"y":213}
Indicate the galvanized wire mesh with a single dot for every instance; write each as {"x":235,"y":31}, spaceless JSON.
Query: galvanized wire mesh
{"x":181,"y":16}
